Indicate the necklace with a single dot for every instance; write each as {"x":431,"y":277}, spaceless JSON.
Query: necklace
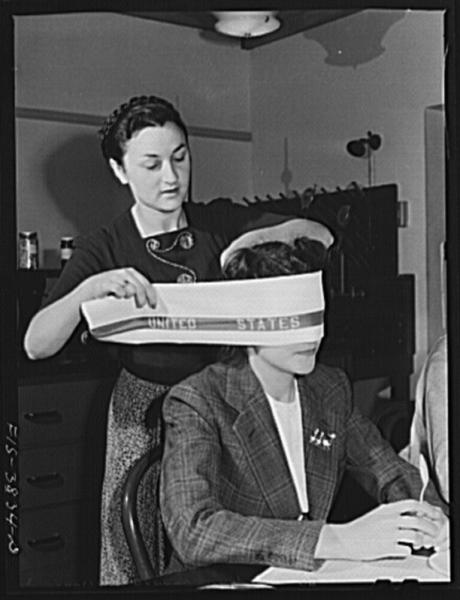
{"x":185,"y":240}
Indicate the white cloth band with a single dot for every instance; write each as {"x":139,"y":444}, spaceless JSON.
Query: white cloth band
{"x":285,"y":232}
{"x":268,"y":311}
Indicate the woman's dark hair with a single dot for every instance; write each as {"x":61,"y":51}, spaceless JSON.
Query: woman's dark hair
{"x":274,"y":259}
{"x":271,"y":259}
{"x":132,"y":116}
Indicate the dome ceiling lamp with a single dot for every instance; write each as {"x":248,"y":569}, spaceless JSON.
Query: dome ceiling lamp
{"x":247,"y":24}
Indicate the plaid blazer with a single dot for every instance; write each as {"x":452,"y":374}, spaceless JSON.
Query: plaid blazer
{"x":226,"y":493}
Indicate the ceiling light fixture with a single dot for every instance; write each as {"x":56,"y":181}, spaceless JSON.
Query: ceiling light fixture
{"x":246,"y":24}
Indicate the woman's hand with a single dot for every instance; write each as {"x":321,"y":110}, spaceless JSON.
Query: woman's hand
{"x":442,"y":540}
{"x":52,"y":326}
{"x":122,"y":283}
{"x":388,"y":530}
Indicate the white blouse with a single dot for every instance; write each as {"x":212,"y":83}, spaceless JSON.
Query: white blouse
{"x":288,"y":420}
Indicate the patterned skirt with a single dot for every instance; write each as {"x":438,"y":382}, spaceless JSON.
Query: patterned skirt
{"x":129,"y":435}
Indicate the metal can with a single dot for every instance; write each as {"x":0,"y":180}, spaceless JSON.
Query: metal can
{"x":28,"y":250}
{"x":66,"y":249}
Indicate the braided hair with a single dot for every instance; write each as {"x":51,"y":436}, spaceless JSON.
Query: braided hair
{"x":134,"y":115}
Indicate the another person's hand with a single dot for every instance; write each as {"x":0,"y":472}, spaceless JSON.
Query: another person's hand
{"x":442,"y":540}
{"x":390,"y":530}
{"x":438,"y":519}
{"x":122,"y":283}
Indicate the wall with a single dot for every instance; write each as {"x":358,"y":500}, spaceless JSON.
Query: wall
{"x":315,"y":108}
{"x":300,"y":110}
{"x":88,"y":64}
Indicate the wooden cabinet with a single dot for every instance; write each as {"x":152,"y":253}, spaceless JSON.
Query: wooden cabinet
{"x":60,"y":464}
{"x":373,"y":335}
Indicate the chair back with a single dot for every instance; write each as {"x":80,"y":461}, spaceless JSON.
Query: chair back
{"x":145,"y":569}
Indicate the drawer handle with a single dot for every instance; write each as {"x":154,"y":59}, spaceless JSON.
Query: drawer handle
{"x":49,"y":480}
{"x":49,"y":544}
{"x":44,"y":418}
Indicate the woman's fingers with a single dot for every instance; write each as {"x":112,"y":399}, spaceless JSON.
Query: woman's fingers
{"x":424,"y":526}
{"x":127,"y":283}
{"x":401,"y":548}
{"x":131,"y":290}
{"x":433,"y":512}
{"x":442,"y":540}
{"x":117,"y":289}
{"x":122,"y":283}
{"x":428,"y":531}
{"x":418,"y":523}
{"x":134,"y":289}
{"x":391,"y":529}
{"x":145,"y":291}
{"x":410,"y":537}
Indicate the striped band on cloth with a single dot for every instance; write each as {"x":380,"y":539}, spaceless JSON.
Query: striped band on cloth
{"x":240,"y":324}
{"x":272,"y":311}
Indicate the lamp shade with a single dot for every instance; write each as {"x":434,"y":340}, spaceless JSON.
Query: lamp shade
{"x":364,"y":146}
{"x":246,"y":24}
{"x":357,"y":148}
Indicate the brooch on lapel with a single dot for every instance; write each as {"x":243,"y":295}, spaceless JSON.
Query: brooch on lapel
{"x":321,"y":439}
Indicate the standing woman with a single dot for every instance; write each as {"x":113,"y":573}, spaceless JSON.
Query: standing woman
{"x":162,"y":238}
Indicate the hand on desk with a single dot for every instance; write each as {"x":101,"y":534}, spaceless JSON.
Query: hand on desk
{"x":388,"y":530}
{"x":442,"y":541}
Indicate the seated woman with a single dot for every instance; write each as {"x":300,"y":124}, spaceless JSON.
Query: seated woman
{"x":429,"y":432}
{"x":256,"y":446}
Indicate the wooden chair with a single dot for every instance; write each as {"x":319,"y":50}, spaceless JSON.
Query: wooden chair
{"x":145,"y":568}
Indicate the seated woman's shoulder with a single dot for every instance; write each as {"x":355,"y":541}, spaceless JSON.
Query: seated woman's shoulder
{"x":209,"y":379}
{"x":328,"y":377}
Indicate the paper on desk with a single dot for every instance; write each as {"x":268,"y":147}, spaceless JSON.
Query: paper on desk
{"x":440,"y":561}
{"x":337,"y":571}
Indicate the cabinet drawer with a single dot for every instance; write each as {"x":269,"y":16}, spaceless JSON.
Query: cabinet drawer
{"x":55,"y":576}
{"x":49,"y":537}
{"x":51,"y":475}
{"x":55,"y":412}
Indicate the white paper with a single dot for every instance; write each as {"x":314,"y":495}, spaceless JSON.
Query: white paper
{"x":337,"y":571}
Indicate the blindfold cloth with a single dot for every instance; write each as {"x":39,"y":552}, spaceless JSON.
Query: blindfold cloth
{"x":264,"y":312}
{"x":284,"y":232}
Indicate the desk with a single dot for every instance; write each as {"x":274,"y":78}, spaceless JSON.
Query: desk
{"x":218,"y":573}
{"x":414,"y":568}
{"x":338,"y":571}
